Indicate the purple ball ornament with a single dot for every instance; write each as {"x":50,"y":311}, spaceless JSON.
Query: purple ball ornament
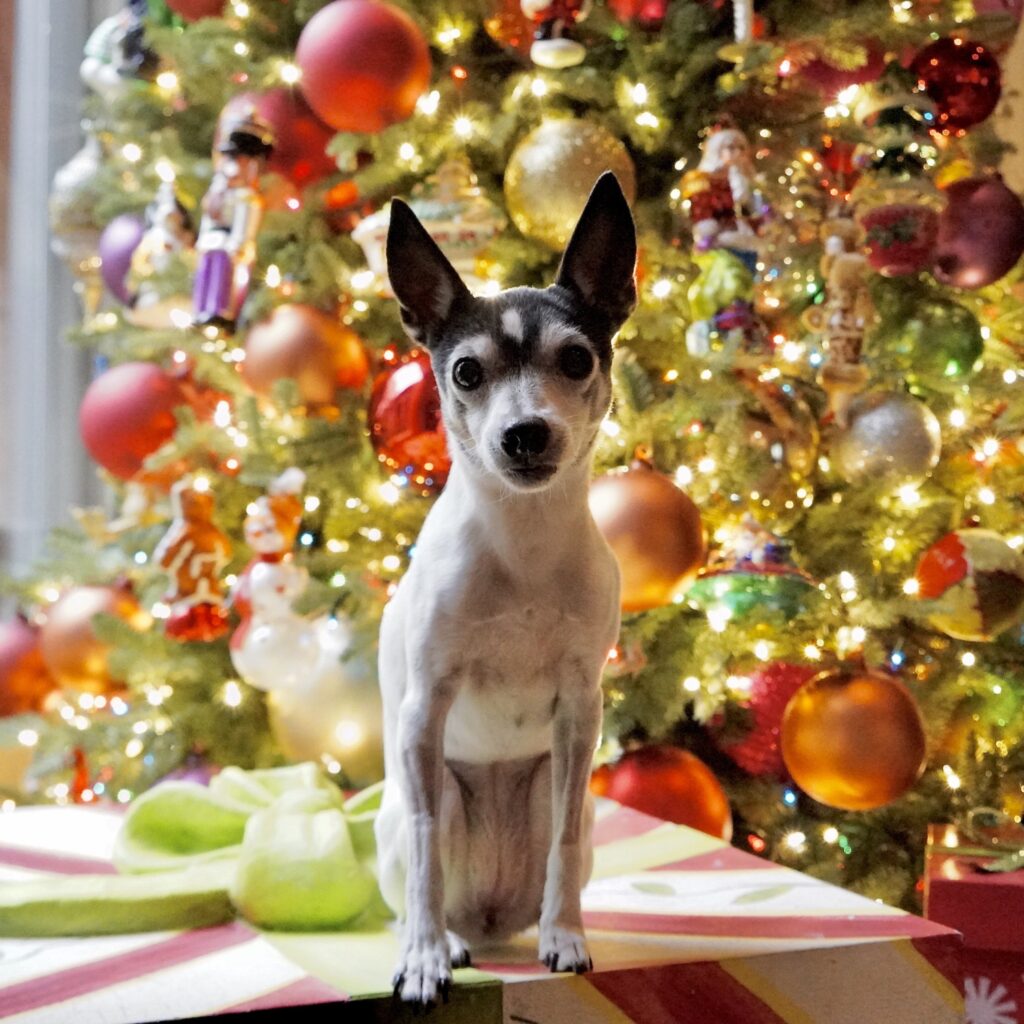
{"x":117,"y":243}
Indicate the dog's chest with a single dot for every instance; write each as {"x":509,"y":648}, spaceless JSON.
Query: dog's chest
{"x":510,"y":681}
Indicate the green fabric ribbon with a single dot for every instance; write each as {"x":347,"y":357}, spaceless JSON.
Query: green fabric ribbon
{"x":281,"y":847}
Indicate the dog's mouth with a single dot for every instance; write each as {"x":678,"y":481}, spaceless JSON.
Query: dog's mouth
{"x":531,"y":476}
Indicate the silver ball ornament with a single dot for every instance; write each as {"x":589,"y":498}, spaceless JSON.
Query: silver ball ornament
{"x":890,"y":437}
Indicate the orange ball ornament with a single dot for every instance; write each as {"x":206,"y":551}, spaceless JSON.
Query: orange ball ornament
{"x":24,"y":680}
{"x":853,"y":739}
{"x":308,"y":346}
{"x":364,"y":65}
{"x":668,"y":783}
{"x":70,"y":648}
{"x":654,"y":531}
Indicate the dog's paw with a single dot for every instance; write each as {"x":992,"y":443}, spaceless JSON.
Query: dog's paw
{"x":424,"y":974}
{"x":562,"y":949}
{"x":458,"y":951}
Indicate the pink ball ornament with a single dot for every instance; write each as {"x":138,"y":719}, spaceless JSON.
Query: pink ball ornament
{"x":364,"y":65}
{"x":981,"y":233}
{"x":117,"y":243}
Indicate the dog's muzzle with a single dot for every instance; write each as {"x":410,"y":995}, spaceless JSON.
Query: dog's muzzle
{"x":527,"y":447}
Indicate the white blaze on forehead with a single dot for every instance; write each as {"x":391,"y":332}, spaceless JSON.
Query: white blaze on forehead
{"x":512,"y":324}
{"x":555,"y":333}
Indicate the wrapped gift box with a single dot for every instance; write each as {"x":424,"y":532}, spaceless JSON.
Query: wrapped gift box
{"x":681,"y":926}
{"x":988,"y":909}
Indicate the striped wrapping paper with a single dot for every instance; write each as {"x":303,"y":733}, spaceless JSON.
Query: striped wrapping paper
{"x":682,"y":928}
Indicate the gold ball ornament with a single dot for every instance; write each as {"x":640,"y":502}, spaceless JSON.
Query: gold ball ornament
{"x":853,"y":739}
{"x":335,"y":714}
{"x":304,"y":344}
{"x":71,"y":650}
{"x":889,"y":436}
{"x":654,"y":531}
{"x":551,"y":172}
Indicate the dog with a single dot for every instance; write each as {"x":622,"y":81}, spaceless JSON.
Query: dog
{"x":493,"y":644}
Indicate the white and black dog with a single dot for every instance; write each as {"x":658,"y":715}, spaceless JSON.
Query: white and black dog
{"x":492,"y":648}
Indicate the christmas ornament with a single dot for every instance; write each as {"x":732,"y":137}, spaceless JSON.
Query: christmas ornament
{"x":194,"y":551}
{"x":977,"y":580}
{"x":70,"y":648}
{"x":939,"y":338}
{"x":771,"y":689}
{"x":306,"y":345}
{"x":364,"y":65}
{"x":667,"y":783}
{"x":980,"y":234}
{"x":25,"y":681}
{"x":853,"y":739}
{"x":116,"y":59}
{"x":74,"y":231}
{"x":654,"y":531}
{"x":127,"y":414}
{"x":891,"y":437}
{"x":832,"y":79}
{"x":754,"y":572}
{"x":166,"y":242}
{"x":963,"y":80}
{"x":551,"y":172}
{"x":405,"y":422}
{"x":335,"y":710}
{"x":232,"y":211}
{"x":194,"y":10}
{"x":117,"y":243}
{"x":300,"y":137}
{"x":456,"y":214}
{"x":554,"y":45}
{"x":724,"y":210}
{"x":846,"y":314}
{"x":509,"y":27}
{"x":647,"y":14}
{"x":896,"y":202}
{"x":773,"y":463}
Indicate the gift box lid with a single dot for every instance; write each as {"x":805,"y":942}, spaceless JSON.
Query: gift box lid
{"x":986,"y":908}
{"x":671,"y":914}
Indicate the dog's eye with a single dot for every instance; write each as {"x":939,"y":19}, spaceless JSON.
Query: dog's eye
{"x":468,"y":374}
{"x":575,"y":361}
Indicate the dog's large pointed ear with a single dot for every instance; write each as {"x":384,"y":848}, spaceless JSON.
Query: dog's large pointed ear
{"x":426,"y":285}
{"x":599,"y":264}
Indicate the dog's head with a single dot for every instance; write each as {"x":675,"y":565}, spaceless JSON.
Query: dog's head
{"x":524,"y":376}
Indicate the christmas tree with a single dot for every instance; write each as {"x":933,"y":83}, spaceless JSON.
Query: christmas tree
{"x":811,"y":476}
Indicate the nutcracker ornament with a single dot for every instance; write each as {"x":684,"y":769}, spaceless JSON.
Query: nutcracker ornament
{"x":167,"y":240}
{"x":554,"y":45}
{"x":194,"y":551}
{"x":232,"y":211}
{"x":725,"y":211}
{"x":846,"y":314}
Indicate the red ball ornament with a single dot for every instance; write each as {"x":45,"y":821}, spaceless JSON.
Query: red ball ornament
{"x":24,"y":679}
{"x":300,"y":137}
{"x":670,"y":784}
{"x":405,"y":422}
{"x":979,"y":579}
{"x":648,"y":14}
{"x":832,"y":80}
{"x":127,"y":414}
{"x":961,"y":78}
{"x":771,"y":689}
{"x":364,"y":65}
{"x":193,"y":10}
{"x":981,"y":233}
{"x":508,"y":26}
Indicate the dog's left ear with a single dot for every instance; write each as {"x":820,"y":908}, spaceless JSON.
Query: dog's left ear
{"x":427,"y":286}
{"x":599,"y":264}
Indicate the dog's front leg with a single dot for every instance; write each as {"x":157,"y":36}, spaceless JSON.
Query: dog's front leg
{"x":563,"y":946}
{"x":424,"y":970}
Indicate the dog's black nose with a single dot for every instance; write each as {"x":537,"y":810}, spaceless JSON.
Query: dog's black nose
{"x":525,"y":439}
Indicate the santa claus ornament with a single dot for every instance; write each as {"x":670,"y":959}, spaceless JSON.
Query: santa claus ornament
{"x":554,"y":43}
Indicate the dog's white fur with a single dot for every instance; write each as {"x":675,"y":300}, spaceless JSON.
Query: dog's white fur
{"x":491,"y":653}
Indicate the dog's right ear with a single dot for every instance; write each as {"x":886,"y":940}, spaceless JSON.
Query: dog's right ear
{"x":426,"y":285}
